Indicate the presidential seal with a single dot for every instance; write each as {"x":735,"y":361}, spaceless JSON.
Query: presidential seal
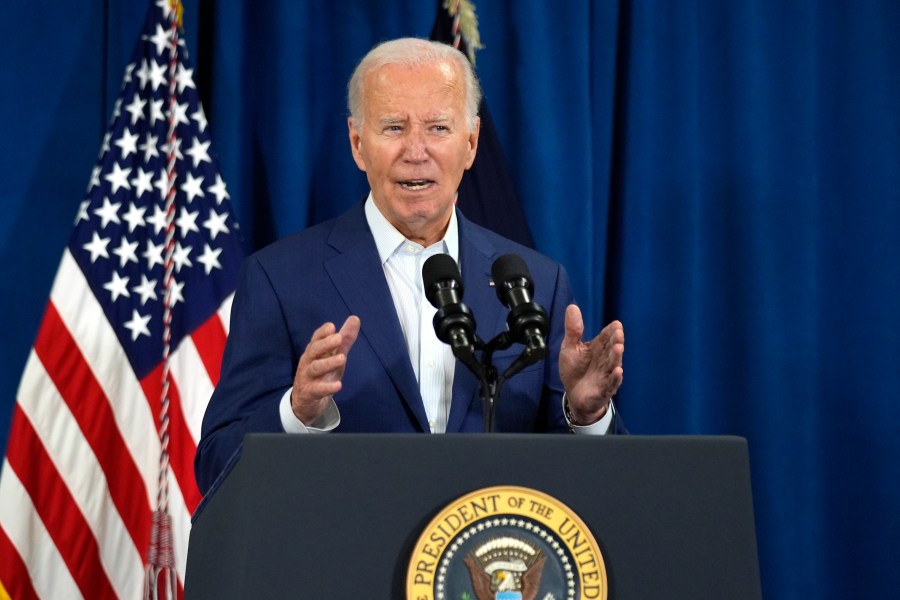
{"x":506,"y":543}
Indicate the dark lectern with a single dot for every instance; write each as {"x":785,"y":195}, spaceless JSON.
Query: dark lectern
{"x":338,"y":516}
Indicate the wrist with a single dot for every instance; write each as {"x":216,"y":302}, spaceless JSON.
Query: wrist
{"x":579,"y":418}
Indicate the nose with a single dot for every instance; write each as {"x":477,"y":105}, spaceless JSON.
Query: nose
{"x":416,"y":145}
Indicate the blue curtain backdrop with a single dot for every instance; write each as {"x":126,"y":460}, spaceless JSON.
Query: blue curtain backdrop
{"x":724,"y":177}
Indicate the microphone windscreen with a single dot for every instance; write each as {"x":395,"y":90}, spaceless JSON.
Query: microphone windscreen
{"x":440,"y":267}
{"x":507,"y":267}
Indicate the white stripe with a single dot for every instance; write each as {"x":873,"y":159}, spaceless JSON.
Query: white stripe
{"x":100,"y":347}
{"x":225,"y":313}
{"x":80,"y":470}
{"x":19,"y":519}
{"x":194,"y":385}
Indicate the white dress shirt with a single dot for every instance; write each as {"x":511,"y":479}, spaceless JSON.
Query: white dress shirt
{"x":402,"y":260}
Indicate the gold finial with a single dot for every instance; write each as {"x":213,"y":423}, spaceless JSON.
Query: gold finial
{"x":463,"y":12}
{"x":179,"y":12}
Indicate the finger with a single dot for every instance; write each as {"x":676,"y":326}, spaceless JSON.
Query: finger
{"x":318,"y":379}
{"x":617,"y":346}
{"x":613,"y":360}
{"x":322,"y":332}
{"x":611,"y":334}
{"x":318,"y":391}
{"x":618,"y":353}
{"x":324,"y":346}
{"x":616,"y":332}
{"x":574,"y":326}
{"x":614,"y":340}
{"x":610,"y":342}
{"x":318,"y":335}
{"x":324,"y":367}
{"x":349,"y":332}
{"x":614,"y":382}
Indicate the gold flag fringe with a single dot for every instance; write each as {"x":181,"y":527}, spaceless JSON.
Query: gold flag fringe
{"x":464,"y":10}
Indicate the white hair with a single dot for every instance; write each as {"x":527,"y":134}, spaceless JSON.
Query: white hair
{"x":412,"y":52}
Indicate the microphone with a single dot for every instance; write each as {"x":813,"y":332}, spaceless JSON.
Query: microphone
{"x":527,"y":320}
{"x":454,"y":323}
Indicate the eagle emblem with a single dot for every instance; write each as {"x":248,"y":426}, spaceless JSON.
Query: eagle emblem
{"x":505,"y":568}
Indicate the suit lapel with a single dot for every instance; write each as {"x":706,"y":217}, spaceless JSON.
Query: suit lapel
{"x":359,"y":278}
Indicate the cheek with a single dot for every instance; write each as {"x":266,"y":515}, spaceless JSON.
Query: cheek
{"x":378,"y":158}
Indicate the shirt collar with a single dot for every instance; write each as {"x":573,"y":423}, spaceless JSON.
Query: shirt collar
{"x":388,"y":239}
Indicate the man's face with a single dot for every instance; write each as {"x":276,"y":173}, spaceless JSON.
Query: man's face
{"x":414,"y":145}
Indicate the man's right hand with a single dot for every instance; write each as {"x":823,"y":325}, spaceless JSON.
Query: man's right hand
{"x":321,"y":369}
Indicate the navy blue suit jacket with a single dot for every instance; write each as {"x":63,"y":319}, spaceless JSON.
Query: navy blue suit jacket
{"x":331,"y":271}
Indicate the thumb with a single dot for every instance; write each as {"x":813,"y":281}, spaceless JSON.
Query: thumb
{"x":349,"y":332}
{"x":574,"y":326}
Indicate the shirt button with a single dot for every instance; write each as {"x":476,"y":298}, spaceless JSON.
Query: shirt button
{"x":431,"y":362}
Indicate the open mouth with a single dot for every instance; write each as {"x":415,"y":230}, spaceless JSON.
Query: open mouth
{"x":416,"y":184}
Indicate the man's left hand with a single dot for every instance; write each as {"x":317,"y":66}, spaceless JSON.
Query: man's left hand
{"x":591,"y":372}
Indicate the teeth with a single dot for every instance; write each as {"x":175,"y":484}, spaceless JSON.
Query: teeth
{"x":416,"y":184}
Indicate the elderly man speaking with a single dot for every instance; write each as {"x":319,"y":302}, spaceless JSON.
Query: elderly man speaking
{"x":413,"y":129}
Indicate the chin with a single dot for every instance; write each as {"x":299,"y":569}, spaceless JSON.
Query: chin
{"x":424,"y":203}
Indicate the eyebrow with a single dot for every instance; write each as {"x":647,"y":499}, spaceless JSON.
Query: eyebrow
{"x":394,"y":120}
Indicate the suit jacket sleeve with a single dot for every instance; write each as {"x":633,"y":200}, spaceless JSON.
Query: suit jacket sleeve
{"x":257,"y":369}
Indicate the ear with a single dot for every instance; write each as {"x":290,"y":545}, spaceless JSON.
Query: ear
{"x":473,"y":143}
{"x":355,"y":144}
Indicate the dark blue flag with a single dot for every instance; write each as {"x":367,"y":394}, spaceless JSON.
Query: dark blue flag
{"x":487,"y":195}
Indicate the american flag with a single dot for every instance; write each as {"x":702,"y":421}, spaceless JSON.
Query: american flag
{"x":97,"y":442}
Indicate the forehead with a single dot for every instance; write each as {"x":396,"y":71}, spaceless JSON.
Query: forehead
{"x":433,"y":87}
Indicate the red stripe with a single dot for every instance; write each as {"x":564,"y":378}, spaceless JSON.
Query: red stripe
{"x":75,"y":381}
{"x":209,"y":339}
{"x":57,"y":508}
{"x":13,"y":573}
{"x":182,"y":447}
